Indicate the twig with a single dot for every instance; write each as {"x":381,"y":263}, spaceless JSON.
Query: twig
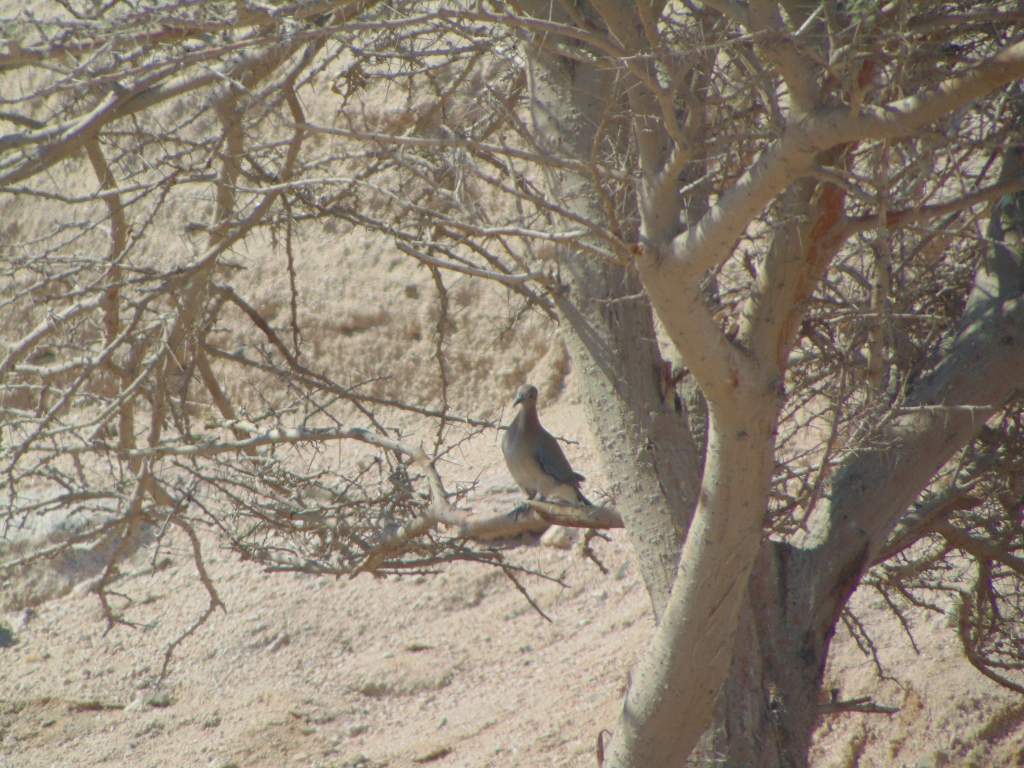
{"x":213,"y":604}
{"x":862,"y":704}
{"x":589,"y":554}
{"x":523,"y":591}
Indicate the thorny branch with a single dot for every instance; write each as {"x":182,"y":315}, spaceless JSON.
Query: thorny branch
{"x":122,"y":356}
{"x":137,"y":371}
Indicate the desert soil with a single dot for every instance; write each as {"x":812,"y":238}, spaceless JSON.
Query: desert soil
{"x":453,"y":669}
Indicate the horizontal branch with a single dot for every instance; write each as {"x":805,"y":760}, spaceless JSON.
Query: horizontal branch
{"x":312,"y":379}
{"x":70,"y":542}
{"x":63,"y":140}
{"x":166,"y":30}
{"x":902,"y":117}
{"x":979,"y":548}
{"x":486,"y":274}
{"x":932,"y":22}
{"x":17,"y":351}
{"x":712,"y":241}
{"x":906,"y":217}
{"x":545,"y":27}
{"x":921,"y":520}
{"x":863,"y":704}
{"x":278,"y":436}
{"x":576,"y":515}
{"x":462,"y":523}
{"x":468,"y":145}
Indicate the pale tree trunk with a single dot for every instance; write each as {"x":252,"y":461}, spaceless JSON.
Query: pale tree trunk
{"x":642,"y":439}
{"x":669,"y":703}
{"x":768,"y":707}
{"x":646,"y":447}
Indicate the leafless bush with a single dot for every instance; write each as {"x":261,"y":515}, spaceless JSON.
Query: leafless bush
{"x":820,"y":202}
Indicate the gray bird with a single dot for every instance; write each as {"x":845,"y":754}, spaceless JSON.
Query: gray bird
{"x":535,"y":458}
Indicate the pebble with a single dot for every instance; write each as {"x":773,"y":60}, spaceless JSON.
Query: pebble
{"x":559,"y":537}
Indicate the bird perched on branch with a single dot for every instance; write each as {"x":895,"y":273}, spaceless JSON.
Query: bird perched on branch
{"x":535,"y":458}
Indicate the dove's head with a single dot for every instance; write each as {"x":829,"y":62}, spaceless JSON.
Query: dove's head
{"x":526,"y":395}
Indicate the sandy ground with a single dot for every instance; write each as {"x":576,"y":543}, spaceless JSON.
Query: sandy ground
{"x":454,"y":669}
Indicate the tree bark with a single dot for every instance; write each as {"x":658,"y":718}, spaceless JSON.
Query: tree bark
{"x":710,"y":576}
{"x":609,"y":330}
{"x":771,"y":701}
{"x":768,"y":707}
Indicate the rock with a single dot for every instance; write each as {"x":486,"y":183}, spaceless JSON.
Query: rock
{"x":159,"y":699}
{"x":279,"y":642}
{"x":559,"y":537}
{"x":149,"y":699}
{"x":404,"y":675}
{"x":83,"y":588}
{"x":24,"y":618}
{"x":429,"y":752}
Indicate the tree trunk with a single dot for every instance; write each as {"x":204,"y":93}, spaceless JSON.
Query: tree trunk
{"x":647,"y":445}
{"x":771,"y":702}
{"x":609,"y":329}
{"x":671,"y":697}
{"x":710,"y":576}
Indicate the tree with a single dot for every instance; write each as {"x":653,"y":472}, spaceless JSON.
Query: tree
{"x":804,"y":215}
